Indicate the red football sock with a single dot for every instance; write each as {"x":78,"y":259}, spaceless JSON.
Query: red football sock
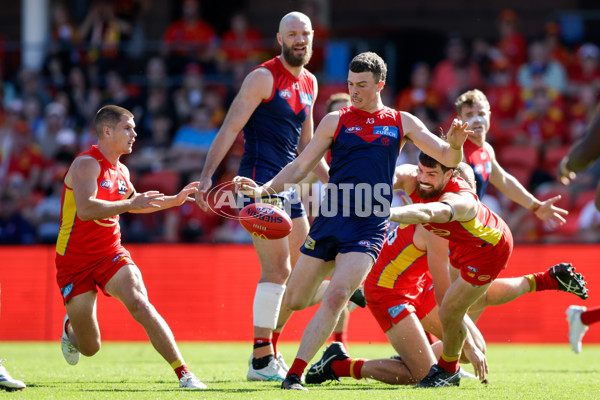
{"x":450,"y":364}
{"x":348,"y":367}
{"x":590,"y":316}
{"x":180,"y":368}
{"x":340,"y":337}
{"x":297,"y":367}
{"x":274,"y":340}
{"x":543,"y":281}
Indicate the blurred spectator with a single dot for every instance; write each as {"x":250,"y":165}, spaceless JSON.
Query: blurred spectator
{"x":241,"y":43}
{"x":23,"y":157}
{"x":46,"y":214}
{"x":558,"y":52}
{"x":29,"y":84}
{"x":192,"y":142}
{"x":153,"y":145}
{"x":54,"y":135}
{"x":64,"y":37}
{"x":32,"y":113}
{"x":102,"y":32}
{"x":540,"y":66}
{"x":512,"y":43}
{"x":189,"y":39}
{"x":190,"y":95}
{"x":117,"y":93}
{"x":544,"y":124}
{"x":84,"y":97}
{"x":582,"y":110}
{"x":420,"y":92}
{"x":156,"y":72}
{"x":456,"y":73}
{"x":213,"y":100}
{"x":14,"y":228}
{"x":130,"y":12}
{"x":585,"y":71}
{"x":503,"y":95}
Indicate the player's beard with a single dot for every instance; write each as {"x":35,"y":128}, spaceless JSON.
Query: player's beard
{"x":429,"y":193}
{"x":295,"y":61}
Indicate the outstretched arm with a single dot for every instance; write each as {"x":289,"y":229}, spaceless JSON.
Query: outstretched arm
{"x":451,"y":207}
{"x":448,"y":153}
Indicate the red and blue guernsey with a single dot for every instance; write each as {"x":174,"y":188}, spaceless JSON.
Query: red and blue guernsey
{"x":78,"y":239}
{"x":272,"y":133}
{"x":480,"y":160}
{"x":363,"y":159}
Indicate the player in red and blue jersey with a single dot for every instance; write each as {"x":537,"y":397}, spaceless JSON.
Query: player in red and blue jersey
{"x":89,"y":254}
{"x":274,"y":110}
{"x":346,"y":237}
{"x":474,"y":108}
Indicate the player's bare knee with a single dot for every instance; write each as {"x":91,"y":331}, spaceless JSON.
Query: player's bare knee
{"x":278,"y":275}
{"x":141,"y":309}
{"x":295,"y":302}
{"x":336,"y":297}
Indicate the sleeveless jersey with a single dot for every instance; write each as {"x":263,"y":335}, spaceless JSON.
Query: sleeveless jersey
{"x":481,"y":162}
{"x":486,"y":228}
{"x":272,"y":133}
{"x":363,"y":159}
{"x":79,"y":238}
{"x":401,"y":265}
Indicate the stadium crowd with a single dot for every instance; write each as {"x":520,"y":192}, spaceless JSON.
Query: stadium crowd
{"x":542,"y":95}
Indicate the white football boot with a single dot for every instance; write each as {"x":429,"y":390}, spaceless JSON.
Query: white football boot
{"x":189,"y":381}
{"x":7,"y":382}
{"x":274,"y":371}
{"x":69,"y":351}
{"x":576,"y":328}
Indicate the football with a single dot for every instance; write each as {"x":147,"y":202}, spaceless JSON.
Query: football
{"x":265,"y":221}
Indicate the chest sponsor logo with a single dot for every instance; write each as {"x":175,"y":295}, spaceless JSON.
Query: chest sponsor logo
{"x":306,"y":98}
{"x":106,"y":185}
{"x":122,"y":186}
{"x":396,"y":310}
{"x":285,"y":94}
{"x":391,"y":131}
{"x":353,"y":129}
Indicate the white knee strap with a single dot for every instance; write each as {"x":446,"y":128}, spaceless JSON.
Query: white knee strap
{"x":267,"y":302}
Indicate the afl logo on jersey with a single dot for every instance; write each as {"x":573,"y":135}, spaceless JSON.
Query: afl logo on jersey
{"x":106,"y":185}
{"x":285,"y":94}
{"x":365,"y":243}
{"x":353,"y":129}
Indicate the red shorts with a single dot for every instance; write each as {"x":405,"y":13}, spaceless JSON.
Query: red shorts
{"x":76,"y":275}
{"x":480,"y":265}
{"x":390,"y":306}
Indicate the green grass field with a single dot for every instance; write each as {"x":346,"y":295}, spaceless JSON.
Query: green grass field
{"x":136,"y":371}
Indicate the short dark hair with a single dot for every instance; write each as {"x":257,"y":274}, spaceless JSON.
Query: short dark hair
{"x":430,"y":162}
{"x":109,"y":115}
{"x":337,"y":98}
{"x":369,"y":62}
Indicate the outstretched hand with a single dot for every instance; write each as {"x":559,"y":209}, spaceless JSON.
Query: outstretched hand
{"x":184,"y":194}
{"x":552,"y":216}
{"x":247,"y":187}
{"x":458,"y":133}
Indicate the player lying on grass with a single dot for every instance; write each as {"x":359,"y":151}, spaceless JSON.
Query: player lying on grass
{"x":399,"y":291}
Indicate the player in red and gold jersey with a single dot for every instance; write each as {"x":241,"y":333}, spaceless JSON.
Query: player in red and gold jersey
{"x":89,"y":253}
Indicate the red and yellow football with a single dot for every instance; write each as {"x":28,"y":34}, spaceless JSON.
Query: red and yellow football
{"x":265,"y":221}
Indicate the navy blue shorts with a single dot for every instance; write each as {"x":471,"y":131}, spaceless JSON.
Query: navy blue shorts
{"x":329,"y":236}
{"x":288,"y":200}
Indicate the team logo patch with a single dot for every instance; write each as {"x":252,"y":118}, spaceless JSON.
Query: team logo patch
{"x":106,"y":185}
{"x":66,"y":290}
{"x":385,"y":141}
{"x":365,"y":243}
{"x":484,"y":278}
{"x":396,"y":310}
{"x":310,"y":243}
{"x":353,"y":129}
{"x":122,"y":186}
{"x":391,"y":131}
{"x":285,"y":94}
